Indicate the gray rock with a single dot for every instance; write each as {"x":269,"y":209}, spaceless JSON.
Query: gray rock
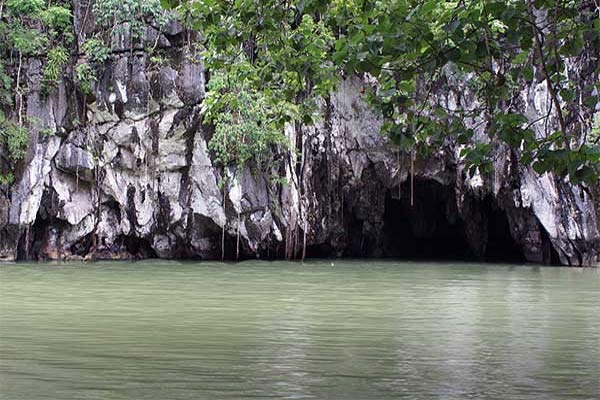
{"x":191,"y":82}
{"x":154,"y":37}
{"x":173,"y":28}
{"x":157,"y":186}
{"x":76,"y":161}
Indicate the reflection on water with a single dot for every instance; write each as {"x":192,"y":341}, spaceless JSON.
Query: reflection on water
{"x":358,"y":330}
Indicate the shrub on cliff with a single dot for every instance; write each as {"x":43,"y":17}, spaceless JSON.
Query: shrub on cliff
{"x":294,"y":51}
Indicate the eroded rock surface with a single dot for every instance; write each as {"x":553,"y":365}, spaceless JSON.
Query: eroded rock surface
{"x":128,"y":174}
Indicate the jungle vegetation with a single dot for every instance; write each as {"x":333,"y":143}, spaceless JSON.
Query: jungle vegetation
{"x":288,"y":55}
{"x":273,"y":62}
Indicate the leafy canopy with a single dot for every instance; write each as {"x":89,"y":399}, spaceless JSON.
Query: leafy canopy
{"x":30,"y":29}
{"x":136,"y":13}
{"x":293,"y":52}
{"x":245,"y":129}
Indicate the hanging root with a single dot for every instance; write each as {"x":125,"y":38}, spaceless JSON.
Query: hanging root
{"x":237,"y":244}
{"x":412,"y":179}
{"x":223,"y":230}
{"x":304,"y":239}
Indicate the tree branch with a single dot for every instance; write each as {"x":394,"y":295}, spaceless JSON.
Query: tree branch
{"x":551,"y":90}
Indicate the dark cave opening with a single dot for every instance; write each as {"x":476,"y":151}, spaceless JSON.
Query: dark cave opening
{"x":500,"y":246}
{"x":432,"y":229}
{"x":426,"y":230}
{"x":549,"y":253}
{"x":83,"y":246}
{"x":139,"y":248}
{"x":322,"y":250}
{"x":33,"y":239}
{"x":136,"y":248}
{"x":33,"y":242}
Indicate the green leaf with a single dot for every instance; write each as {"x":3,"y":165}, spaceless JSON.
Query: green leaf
{"x":521,"y":57}
{"x":527,"y":72}
{"x":567,"y":95}
{"x":591,"y":101}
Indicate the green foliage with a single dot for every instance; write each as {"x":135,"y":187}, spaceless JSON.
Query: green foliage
{"x":58,"y":17}
{"x":271,"y":49}
{"x":45,"y":132}
{"x":57,"y":58}
{"x":477,"y":157}
{"x":594,"y":137}
{"x":5,"y":87}
{"x":244,"y":125}
{"x":14,"y":138}
{"x":25,"y":7}
{"x":582,"y":165}
{"x":58,"y":21}
{"x":31,"y":28}
{"x":7,"y":179}
{"x":292,"y":52}
{"x":137,"y":13}
{"x":85,"y":76}
{"x":27,"y":41}
{"x":267,"y":69}
{"x":413,"y":48}
{"x":158,"y":60}
{"x":96,"y":51}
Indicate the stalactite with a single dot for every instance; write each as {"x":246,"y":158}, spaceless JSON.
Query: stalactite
{"x":27,"y":241}
{"x":399,"y":175}
{"x":412,"y":178}
{"x":59,"y":244}
{"x":18,"y":91}
{"x":97,"y":219}
{"x":224,"y":225}
{"x":237,"y":244}
{"x":296,"y":234}
{"x":304,"y":239}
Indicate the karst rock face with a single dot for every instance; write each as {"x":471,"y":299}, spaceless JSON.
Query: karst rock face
{"x":128,"y":174}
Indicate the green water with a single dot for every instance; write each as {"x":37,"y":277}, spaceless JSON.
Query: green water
{"x":357,"y":330}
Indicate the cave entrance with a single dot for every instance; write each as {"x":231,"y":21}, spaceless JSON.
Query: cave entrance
{"x":427,"y":230}
{"x":432,"y":229}
{"x":500,"y":246}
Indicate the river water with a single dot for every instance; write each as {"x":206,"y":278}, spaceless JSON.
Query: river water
{"x":352,"y":330}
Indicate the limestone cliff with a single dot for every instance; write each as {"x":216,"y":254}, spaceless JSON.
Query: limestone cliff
{"x":128,"y":174}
